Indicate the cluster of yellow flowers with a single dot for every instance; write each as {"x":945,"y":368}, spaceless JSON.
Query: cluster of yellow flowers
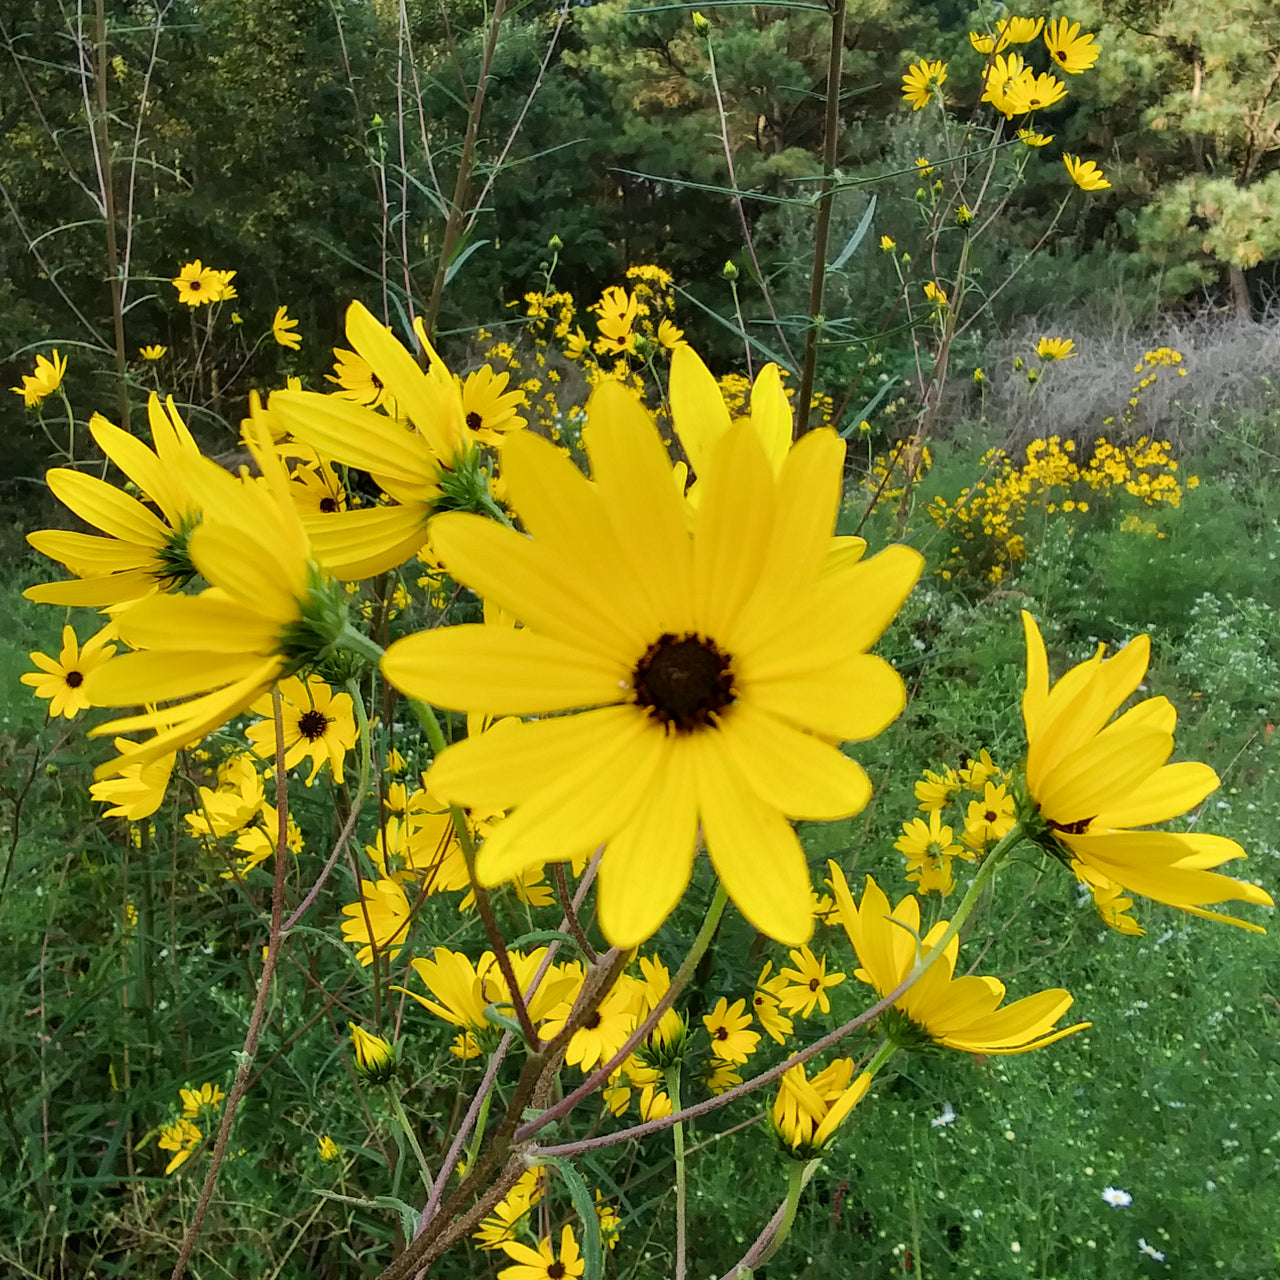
{"x":890,"y":475}
{"x":1012,"y":86}
{"x":43,"y":380}
{"x":1148,"y":371}
{"x":992,"y":515}
{"x":929,"y":846}
{"x":184,"y":1134}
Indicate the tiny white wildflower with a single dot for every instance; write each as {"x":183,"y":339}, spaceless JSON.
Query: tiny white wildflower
{"x":1144,"y":1247}
{"x":1116,"y":1198}
{"x":948,"y":1116}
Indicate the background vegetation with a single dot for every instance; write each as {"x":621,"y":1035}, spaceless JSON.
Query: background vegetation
{"x":302,"y":144}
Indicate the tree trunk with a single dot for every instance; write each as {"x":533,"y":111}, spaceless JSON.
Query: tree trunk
{"x":1239,"y":292}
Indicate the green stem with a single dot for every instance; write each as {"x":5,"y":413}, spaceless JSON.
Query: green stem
{"x":886,"y":1051}
{"x":990,"y":864}
{"x":798,"y":1176}
{"x":403,"y":1120}
{"x":357,"y":642}
{"x":673,"y":1088}
{"x":474,"y":1147}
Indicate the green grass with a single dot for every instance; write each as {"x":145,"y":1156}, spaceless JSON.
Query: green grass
{"x":1172,"y":1095}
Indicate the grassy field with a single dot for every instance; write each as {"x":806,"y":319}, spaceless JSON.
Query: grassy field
{"x":130,"y":970}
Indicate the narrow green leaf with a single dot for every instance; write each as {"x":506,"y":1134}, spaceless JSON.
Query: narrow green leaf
{"x":859,"y":234}
{"x":583,"y":1205}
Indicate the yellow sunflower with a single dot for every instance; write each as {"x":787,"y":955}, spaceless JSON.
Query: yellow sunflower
{"x":282,"y":330}
{"x":709,"y":670}
{"x":489,"y":408}
{"x":61,"y":680}
{"x":44,"y":381}
{"x":921,"y":81}
{"x":1056,"y":348}
{"x":1085,"y":174}
{"x":807,"y":1113}
{"x":1073,"y":52}
{"x":543,"y":1263}
{"x":1092,"y":782}
{"x":268,"y":611}
{"x":319,"y":725}
{"x":198,"y":285}
{"x":958,"y":1013}
{"x":1034,"y":93}
{"x":143,"y":550}
{"x":357,"y":381}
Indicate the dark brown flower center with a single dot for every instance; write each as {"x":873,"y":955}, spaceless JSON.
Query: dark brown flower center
{"x":328,"y":504}
{"x":375,"y":380}
{"x":1073,"y":828}
{"x":74,"y":679}
{"x":474,"y":420}
{"x":556,"y":1270}
{"x":592,"y":1022}
{"x":990,"y":815}
{"x":312,"y":724}
{"x":722,"y":1033}
{"x":814,"y":984}
{"x":683,"y":681}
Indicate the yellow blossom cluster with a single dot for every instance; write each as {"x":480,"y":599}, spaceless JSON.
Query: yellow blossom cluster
{"x":991,"y":516}
{"x":184,"y":1135}
{"x":892,"y":473}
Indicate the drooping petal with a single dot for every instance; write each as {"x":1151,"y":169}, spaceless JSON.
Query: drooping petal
{"x":134,"y":679}
{"x":106,"y":508}
{"x":753,"y":848}
{"x":352,"y":545}
{"x":647,"y":864}
{"x":210,"y":621}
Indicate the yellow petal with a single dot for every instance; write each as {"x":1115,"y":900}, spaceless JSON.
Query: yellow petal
{"x":89,"y":556}
{"x":134,"y":679}
{"x":532,"y":581}
{"x":796,"y":773}
{"x":1104,"y":770}
{"x":630,"y":467}
{"x":771,"y":415}
{"x":502,"y":671}
{"x":141,"y":466}
{"x":732,"y":530}
{"x":209,"y":622}
{"x":106,"y":508}
{"x":585,"y":807}
{"x":753,"y":848}
{"x":351,"y":545}
{"x":238,"y":561}
{"x":852,"y":701}
{"x":647,"y":864}
{"x":109,"y":589}
{"x":1174,"y":789}
{"x":698,"y":410}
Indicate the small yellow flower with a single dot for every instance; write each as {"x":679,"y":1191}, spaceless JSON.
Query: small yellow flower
{"x":727,"y":1025}
{"x":46,"y":379}
{"x":326,"y":1148}
{"x":1055,"y":348}
{"x":935,"y":293}
{"x":182,"y":1138}
{"x":282,"y":330}
{"x":807,"y":1113}
{"x":153,"y":352}
{"x":62,"y":680}
{"x":1034,"y":139}
{"x":198,"y":285}
{"x":887,"y":244}
{"x":921,"y":81}
{"x":1073,"y":52}
{"x":375,"y":1058}
{"x":208,"y":1097}
{"x":1085,"y":173}
{"x":807,"y":984}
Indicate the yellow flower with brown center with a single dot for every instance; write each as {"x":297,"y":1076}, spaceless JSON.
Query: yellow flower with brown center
{"x":727,"y":1025}
{"x":1073,"y":52}
{"x":1034,"y":93}
{"x":957,"y":1013}
{"x":1093,"y":782}
{"x":708,"y":670}
{"x":488,"y":408}
{"x":616,"y":313}
{"x":319,"y":725}
{"x":807,"y":984}
{"x":198,"y":285}
{"x":61,"y":680}
{"x":922,"y":80}
{"x":765,"y":1004}
{"x":544,"y":1263}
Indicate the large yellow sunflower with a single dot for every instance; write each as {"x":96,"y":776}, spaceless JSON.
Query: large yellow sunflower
{"x":1092,"y":781}
{"x":708,"y":670}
